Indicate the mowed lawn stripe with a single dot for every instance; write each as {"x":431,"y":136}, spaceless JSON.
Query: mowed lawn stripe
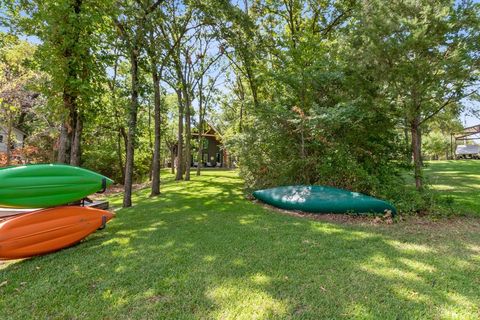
{"x":458,"y":183}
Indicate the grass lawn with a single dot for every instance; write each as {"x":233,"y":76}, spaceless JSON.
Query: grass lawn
{"x":458,"y":182}
{"x":201,"y":251}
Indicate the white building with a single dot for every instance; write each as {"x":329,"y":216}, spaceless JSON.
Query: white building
{"x":18,"y":137}
{"x":467,"y":151}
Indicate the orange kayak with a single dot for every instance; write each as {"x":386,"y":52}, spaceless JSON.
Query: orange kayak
{"x":48,"y":230}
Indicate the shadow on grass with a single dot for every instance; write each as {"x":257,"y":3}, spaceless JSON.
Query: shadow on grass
{"x":201,"y":251}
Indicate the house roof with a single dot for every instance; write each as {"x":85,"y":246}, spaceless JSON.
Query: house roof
{"x":211,"y":132}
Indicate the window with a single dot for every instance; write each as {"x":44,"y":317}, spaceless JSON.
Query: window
{"x":1,"y":138}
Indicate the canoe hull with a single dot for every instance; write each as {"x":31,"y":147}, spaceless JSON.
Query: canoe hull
{"x":47,"y":185}
{"x":48,"y":230}
{"x":320,"y":199}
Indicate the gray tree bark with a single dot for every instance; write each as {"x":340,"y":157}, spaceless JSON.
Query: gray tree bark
{"x":157,"y":131}
{"x":132,"y":128}
{"x":76,"y":151}
{"x":180,"y":159}
{"x":417,"y":152}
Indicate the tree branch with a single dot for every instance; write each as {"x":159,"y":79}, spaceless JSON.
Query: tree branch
{"x":446,"y":103}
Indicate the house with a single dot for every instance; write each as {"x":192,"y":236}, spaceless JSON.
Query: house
{"x":214,"y":153}
{"x":18,"y":137}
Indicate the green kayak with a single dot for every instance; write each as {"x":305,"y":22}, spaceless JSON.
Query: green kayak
{"x":320,"y":199}
{"x":47,"y":185}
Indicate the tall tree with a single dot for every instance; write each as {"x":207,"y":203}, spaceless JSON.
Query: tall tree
{"x":191,"y":62}
{"x":428,"y":59}
{"x":68,"y":43}
{"x":158,"y":57}
{"x":156,"y":75}
{"x":176,"y":34}
{"x":131,"y":19}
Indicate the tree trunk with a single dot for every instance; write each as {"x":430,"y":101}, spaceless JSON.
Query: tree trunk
{"x":150,"y":142}
{"x":119,"y":154}
{"x":63,"y":144}
{"x":132,"y":128}
{"x":124,"y":134}
{"x":417,"y":152}
{"x":200,"y":152}
{"x":158,"y":120}
{"x":66,"y":131}
{"x":252,"y":84}
{"x":69,"y":93}
{"x":75,"y":154}
{"x":180,"y":161}
{"x":172,"y":160}
{"x":408,"y":145}
{"x":9,"y":138}
{"x":188,"y":138}
{"x":200,"y":128}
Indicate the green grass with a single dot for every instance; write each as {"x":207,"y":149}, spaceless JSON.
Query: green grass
{"x":201,"y":251}
{"x":458,"y":183}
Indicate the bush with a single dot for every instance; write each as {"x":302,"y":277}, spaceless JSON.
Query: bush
{"x":324,"y":148}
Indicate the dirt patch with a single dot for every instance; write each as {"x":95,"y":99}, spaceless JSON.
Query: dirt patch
{"x":329,"y":217}
{"x":412,"y":222}
{"x":434,"y":223}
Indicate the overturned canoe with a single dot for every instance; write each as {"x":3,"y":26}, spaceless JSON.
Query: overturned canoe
{"x":320,"y":199}
{"x":48,"y":230}
{"x":47,"y":185}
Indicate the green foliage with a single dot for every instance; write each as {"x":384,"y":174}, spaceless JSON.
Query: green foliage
{"x":352,"y":157}
{"x":437,"y":145}
{"x":439,"y":138}
{"x":338,"y":84}
{"x":423,"y":56}
{"x":313,"y":125}
{"x":69,"y":34}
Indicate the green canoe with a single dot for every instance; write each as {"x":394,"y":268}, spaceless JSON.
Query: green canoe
{"x":320,"y":199}
{"x":47,"y":185}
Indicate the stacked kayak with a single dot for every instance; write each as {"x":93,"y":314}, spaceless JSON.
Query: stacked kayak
{"x":321,"y":199}
{"x":47,"y":185}
{"x":48,"y":230}
{"x":57,"y":225}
